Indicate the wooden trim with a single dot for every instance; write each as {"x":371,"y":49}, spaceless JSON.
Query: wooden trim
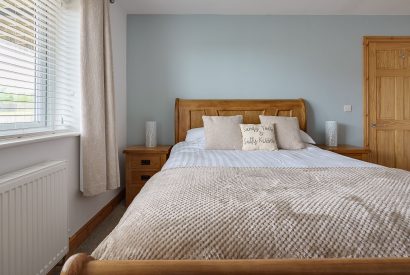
{"x":188,"y":113}
{"x":375,"y":38}
{"x":82,"y":264}
{"x":365,"y":91}
{"x":82,"y":234}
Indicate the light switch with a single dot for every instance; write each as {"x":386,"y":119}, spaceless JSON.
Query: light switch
{"x":347,"y":108}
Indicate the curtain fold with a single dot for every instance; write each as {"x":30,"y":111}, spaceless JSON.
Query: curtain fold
{"x":99,"y":151}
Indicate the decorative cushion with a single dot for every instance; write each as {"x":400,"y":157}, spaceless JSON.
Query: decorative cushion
{"x":223,"y":132}
{"x":258,"y":137}
{"x":287,"y":131}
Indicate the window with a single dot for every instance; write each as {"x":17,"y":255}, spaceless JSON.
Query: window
{"x":38,"y":66}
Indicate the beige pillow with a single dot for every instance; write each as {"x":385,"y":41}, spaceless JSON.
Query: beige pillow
{"x":286,"y":130}
{"x":223,"y":132}
{"x":258,"y":137}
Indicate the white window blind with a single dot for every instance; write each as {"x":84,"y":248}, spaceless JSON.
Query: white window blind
{"x":39,"y":66}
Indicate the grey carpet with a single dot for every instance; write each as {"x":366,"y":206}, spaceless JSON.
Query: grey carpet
{"x":98,"y":234}
{"x":102,"y":230}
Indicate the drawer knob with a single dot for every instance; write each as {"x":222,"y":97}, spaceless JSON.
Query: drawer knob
{"x":145,"y":162}
{"x":145,"y":177}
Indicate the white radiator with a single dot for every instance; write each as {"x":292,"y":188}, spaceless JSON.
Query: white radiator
{"x":33,"y":219}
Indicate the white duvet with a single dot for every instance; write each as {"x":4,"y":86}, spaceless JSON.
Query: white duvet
{"x":193,"y":154}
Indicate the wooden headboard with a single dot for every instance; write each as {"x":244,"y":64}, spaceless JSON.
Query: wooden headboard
{"x":188,"y":113}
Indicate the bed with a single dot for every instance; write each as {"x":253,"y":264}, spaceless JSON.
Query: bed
{"x":308,"y":211}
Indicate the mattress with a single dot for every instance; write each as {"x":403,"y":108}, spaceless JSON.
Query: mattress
{"x":291,"y":206}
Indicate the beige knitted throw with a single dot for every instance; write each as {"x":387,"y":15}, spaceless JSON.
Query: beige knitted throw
{"x":257,"y":213}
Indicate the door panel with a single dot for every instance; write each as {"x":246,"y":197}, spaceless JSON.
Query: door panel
{"x":403,"y":156}
{"x":386,"y":99}
{"x":405,"y":161}
{"x":388,"y":102}
{"x":389,"y":59}
{"x":407,"y":60}
{"x":386,"y":147}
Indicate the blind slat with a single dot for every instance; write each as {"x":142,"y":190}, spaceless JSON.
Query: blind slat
{"x":30,"y":83}
{"x":35,"y":70}
{"x":43,"y":76}
{"x":47,"y":27}
{"x":34,"y":60}
{"x":11,"y":28}
{"x":37,"y":46}
{"x":40,"y":56}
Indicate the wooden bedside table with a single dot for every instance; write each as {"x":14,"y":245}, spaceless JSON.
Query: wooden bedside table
{"x":360,"y":153}
{"x":141,"y":163}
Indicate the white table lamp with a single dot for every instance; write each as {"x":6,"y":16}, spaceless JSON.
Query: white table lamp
{"x":331,"y":133}
{"x":150,"y":133}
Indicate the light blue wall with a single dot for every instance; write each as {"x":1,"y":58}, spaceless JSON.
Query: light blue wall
{"x":318,"y":58}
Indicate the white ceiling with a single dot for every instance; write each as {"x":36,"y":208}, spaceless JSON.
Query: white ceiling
{"x":274,"y":7}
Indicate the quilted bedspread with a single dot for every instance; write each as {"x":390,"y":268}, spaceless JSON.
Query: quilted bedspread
{"x":258,"y":213}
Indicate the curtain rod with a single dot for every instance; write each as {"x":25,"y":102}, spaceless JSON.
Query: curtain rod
{"x":112,"y":1}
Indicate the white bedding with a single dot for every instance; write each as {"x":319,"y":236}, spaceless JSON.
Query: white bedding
{"x":193,"y":154}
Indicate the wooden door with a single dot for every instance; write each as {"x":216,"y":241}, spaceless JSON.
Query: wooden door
{"x":387,"y":100}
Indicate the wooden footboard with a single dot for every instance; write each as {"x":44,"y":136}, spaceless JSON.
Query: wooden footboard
{"x":82,"y":264}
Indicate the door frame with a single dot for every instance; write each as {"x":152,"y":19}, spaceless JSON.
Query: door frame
{"x":366,"y":42}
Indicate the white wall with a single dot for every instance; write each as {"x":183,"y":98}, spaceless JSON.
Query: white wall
{"x":81,"y":209}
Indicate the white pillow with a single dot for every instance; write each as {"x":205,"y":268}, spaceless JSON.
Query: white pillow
{"x":306,"y":138}
{"x":223,"y":132}
{"x":195,"y":135}
{"x":258,"y":137}
{"x":286,"y":130}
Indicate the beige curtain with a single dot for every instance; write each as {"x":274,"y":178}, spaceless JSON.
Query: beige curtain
{"x":99,"y":151}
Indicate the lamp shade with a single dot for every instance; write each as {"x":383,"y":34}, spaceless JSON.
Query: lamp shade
{"x":150,"y":133}
{"x":331,"y":133}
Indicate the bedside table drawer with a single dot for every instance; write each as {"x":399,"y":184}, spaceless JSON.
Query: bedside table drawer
{"x":145,"y":162}
{"x":139,"y":178}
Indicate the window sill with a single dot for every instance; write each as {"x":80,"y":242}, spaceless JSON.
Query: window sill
{"x":12,"y":142}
